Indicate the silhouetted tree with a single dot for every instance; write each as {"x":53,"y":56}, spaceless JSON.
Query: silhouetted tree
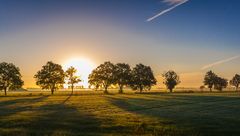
{"x":93,"y":80}
{"x":10,"y":77}
{"x":103,"y":75}
{"x":220,"y":83}
{"x":202,"y":87}
{"x":171,"y":79}
{"x":71,"y":77}
{"x":210,"y":79}
{"x":51,"y":76}
{"x":142,"y":78}
{"x":235,"y":81}
{"x":122,"y":75}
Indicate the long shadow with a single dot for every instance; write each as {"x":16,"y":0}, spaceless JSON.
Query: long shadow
{"x":23,"y":104}
{"x":21,"y":100}
{"x":63,"y":119}
{"x":208,"y":115}
{"x":51,"y":119}
{"x":67,"y":98}
{"x":59,"y":119}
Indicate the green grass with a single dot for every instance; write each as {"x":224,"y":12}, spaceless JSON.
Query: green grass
{"x":197,"y":114}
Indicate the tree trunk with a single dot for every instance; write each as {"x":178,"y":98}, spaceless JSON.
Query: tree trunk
{"x":52,"y":91}
{"x":5,"y":91}
{"x":96,"y":88}
{"x":106,"y":90}
{"x":120,"y":89}
{"x":220,"y":89}
{"x":210,"y":89}
{"x":141,"y":88}
{"x":171,"y":90}
{"x":72,"y":88}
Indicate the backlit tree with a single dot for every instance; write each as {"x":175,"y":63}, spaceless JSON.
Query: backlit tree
{"x":103,"y":76}
{"x":235,"y":81}
{"x":51,"y":76}
{"x":122,"y":75}
{"x":10,"y":77}
{"x":220,"y":83}
{"x":71,"y":77}
{"x":142,"y":78}
{"x":171,"y":79}
{"x":210,"y":79}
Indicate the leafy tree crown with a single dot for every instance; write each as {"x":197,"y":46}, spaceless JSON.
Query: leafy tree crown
{"x":51,"y":76}
{"x":10,"y":76}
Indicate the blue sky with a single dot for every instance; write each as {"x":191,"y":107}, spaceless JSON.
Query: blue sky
{"x":195,"y":34}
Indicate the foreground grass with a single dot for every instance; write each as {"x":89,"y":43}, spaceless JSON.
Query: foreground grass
{"x":128,"y":114}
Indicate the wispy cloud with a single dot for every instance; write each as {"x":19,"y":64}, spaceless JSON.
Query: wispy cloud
{"x":219,"y":62}
{"x":173,"y":3}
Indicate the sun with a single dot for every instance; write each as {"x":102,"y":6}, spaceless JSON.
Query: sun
{"x":84,"y":68}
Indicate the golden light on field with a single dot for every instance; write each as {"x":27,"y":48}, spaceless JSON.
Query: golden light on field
{"x":84,"y":67}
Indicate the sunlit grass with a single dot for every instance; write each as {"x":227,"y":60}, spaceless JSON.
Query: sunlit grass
{"x":126,"y":114}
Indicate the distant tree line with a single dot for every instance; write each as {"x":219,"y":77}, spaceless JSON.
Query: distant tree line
{"x":141,"y":77}
{"x":211,"y":80}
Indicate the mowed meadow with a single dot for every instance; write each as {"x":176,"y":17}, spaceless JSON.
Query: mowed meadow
{"x":91,"y":113}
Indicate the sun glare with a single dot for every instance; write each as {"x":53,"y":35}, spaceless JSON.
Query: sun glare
{"x":84,"y":68}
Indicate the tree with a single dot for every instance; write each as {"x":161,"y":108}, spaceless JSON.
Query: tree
{"x":103,"y":75}
{"x":171,"y":79}
{"x":202,"y":88}
{"x":235,"y":81}
{"x":209,"y":79}
{"x":220,"y":83}
{"x":10,"y":77}
{"x":122,"y":75}
{"x":51,"y":76}
{"x":93,"y":80}
{"x":142,"y":77}
{"x":71,"y":77}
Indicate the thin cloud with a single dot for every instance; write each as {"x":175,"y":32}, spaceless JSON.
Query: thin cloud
{"x":175,"y":4}
{"x":172,"y":2}
{"x":219,"y":62}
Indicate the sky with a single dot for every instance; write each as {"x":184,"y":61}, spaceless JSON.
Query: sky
{"x":188,"y":36}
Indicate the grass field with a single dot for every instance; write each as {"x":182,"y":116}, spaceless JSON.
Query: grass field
{"x":197,"y":114}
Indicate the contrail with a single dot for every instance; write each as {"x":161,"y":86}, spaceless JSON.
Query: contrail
{"x":220,"y":62}
{"x":167,"y":10}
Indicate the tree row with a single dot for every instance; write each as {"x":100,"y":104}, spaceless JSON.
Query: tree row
{"x":52,"y":77}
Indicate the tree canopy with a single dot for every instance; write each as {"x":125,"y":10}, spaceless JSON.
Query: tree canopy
{"x":220,"y":83}
{"x":103,"y":76}
{"x":71,"y":77}
{"x":142,"y":78}
{"x":171,"y":79}
{"x":93,"y":80}
{"x":51,"y":76}
{"x":122,"y":75}
{"x":213,"y":80}
{"x":235,"y":81}
{"x":10,"y":77}
{"x":209,"y":79}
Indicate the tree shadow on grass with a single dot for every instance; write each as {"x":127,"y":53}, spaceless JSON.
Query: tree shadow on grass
{"x":59,"y":119}
{"x":55,"y":118}
{"x":64,"y":119}
{"x":206,"y":115}
{"x":49,"y":119}
{"x":23,"y":104}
